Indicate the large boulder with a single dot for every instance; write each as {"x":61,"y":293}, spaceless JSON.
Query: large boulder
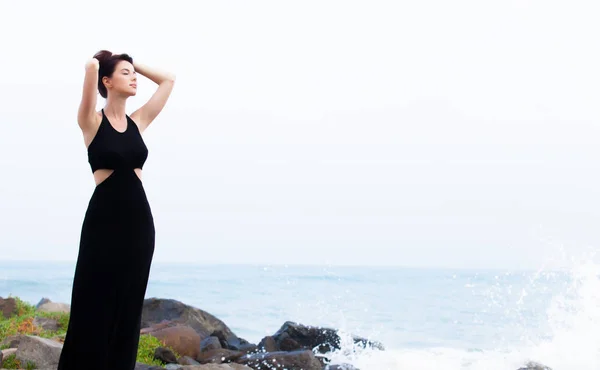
{"x":157,"y":310}
{"x":157,"y":313}
{"x":182,"y":338}
{"x":45,"y":353}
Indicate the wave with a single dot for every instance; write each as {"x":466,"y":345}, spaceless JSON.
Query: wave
{"x":571,"y":342}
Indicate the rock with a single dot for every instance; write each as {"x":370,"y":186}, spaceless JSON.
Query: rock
{"x":157,"y":310}
{"x":297,"y":360}
{"x":311,"y":337}
{"x":5,"y":353}
{"x":45,"y":353}
{"x":46,"y":323}
{"x":42,"y":301}
{"x":140,"y":366}
{"x":217,"y":356}
{"x":210,"y":343}
{"x":268,"y":344}
{"x":341,"y":367}
{"x":216,"y":367}
{"x":183,"y":339}
{"x":286,"y":343}
{"x":534,"y":366}
{"x":60,"y":337}
{"x":11,"y":341}
{"x":8,"y":307}
{"x":247,"y":347}
{"x":186,"y":360}
{"x":46,"y":305}
{"x":8,"y":352}
{"x":221,"y":336}
{"x":323,"y":360}
{"x":165,"y":355}
{"x":158,"y":326}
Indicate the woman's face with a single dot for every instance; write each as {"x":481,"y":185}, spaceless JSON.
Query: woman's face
{"x":123,"y":80}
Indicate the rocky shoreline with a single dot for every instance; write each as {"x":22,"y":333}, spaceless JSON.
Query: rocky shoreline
{"x":189,"y":338}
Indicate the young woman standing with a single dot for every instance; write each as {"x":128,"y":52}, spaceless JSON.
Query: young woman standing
{"x":117,"y":236}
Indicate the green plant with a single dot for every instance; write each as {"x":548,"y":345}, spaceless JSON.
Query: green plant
{"x":22,"y":323}
{"x":11,"y":362}
{"x":146,"y":348}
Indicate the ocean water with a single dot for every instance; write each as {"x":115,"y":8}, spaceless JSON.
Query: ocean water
{"x":426,"y":318}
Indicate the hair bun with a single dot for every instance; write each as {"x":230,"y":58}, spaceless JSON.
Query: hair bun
{"x":103,"y":55}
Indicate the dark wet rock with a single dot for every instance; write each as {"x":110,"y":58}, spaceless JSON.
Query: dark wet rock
{"x":210,"y":343}
{"x":8,"y":307}
{"x":534,"y":366}
{"x":286,"y":343}
{"x":268,"y":344}
{"x":186,"y":360}
{"x":323,"y":360}
{"x":241,"y":345}
{"x":320,"y":339}
{"x":296,"y":360}
{"x":165,"y":355}
{"x":222,"y":337}
{"x":217,"y":356}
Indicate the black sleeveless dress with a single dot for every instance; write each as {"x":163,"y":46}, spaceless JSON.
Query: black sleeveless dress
{"x":114,"y":259}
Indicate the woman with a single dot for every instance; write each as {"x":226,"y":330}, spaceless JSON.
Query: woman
{"x":117,"y":237}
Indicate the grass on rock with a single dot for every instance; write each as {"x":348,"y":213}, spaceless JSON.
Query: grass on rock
{"x":22,"y":323}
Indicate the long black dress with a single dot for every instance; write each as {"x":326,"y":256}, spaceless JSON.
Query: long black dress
{"x":115,"y":254}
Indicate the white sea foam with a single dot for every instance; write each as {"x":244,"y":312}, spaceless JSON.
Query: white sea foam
{"x":572,"y":343}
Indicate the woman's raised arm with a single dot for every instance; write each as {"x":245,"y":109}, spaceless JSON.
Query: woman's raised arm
{"x":86,"y":115}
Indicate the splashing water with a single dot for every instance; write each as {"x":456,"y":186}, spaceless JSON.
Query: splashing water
{"x":570,"y":341}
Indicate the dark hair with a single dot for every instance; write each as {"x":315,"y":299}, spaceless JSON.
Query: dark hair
{"x":108,"y":62}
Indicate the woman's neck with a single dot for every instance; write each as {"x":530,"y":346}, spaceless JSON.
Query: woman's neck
{"x":115,"y":106}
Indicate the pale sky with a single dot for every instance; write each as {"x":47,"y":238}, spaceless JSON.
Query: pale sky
{"x":415,"y":133}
